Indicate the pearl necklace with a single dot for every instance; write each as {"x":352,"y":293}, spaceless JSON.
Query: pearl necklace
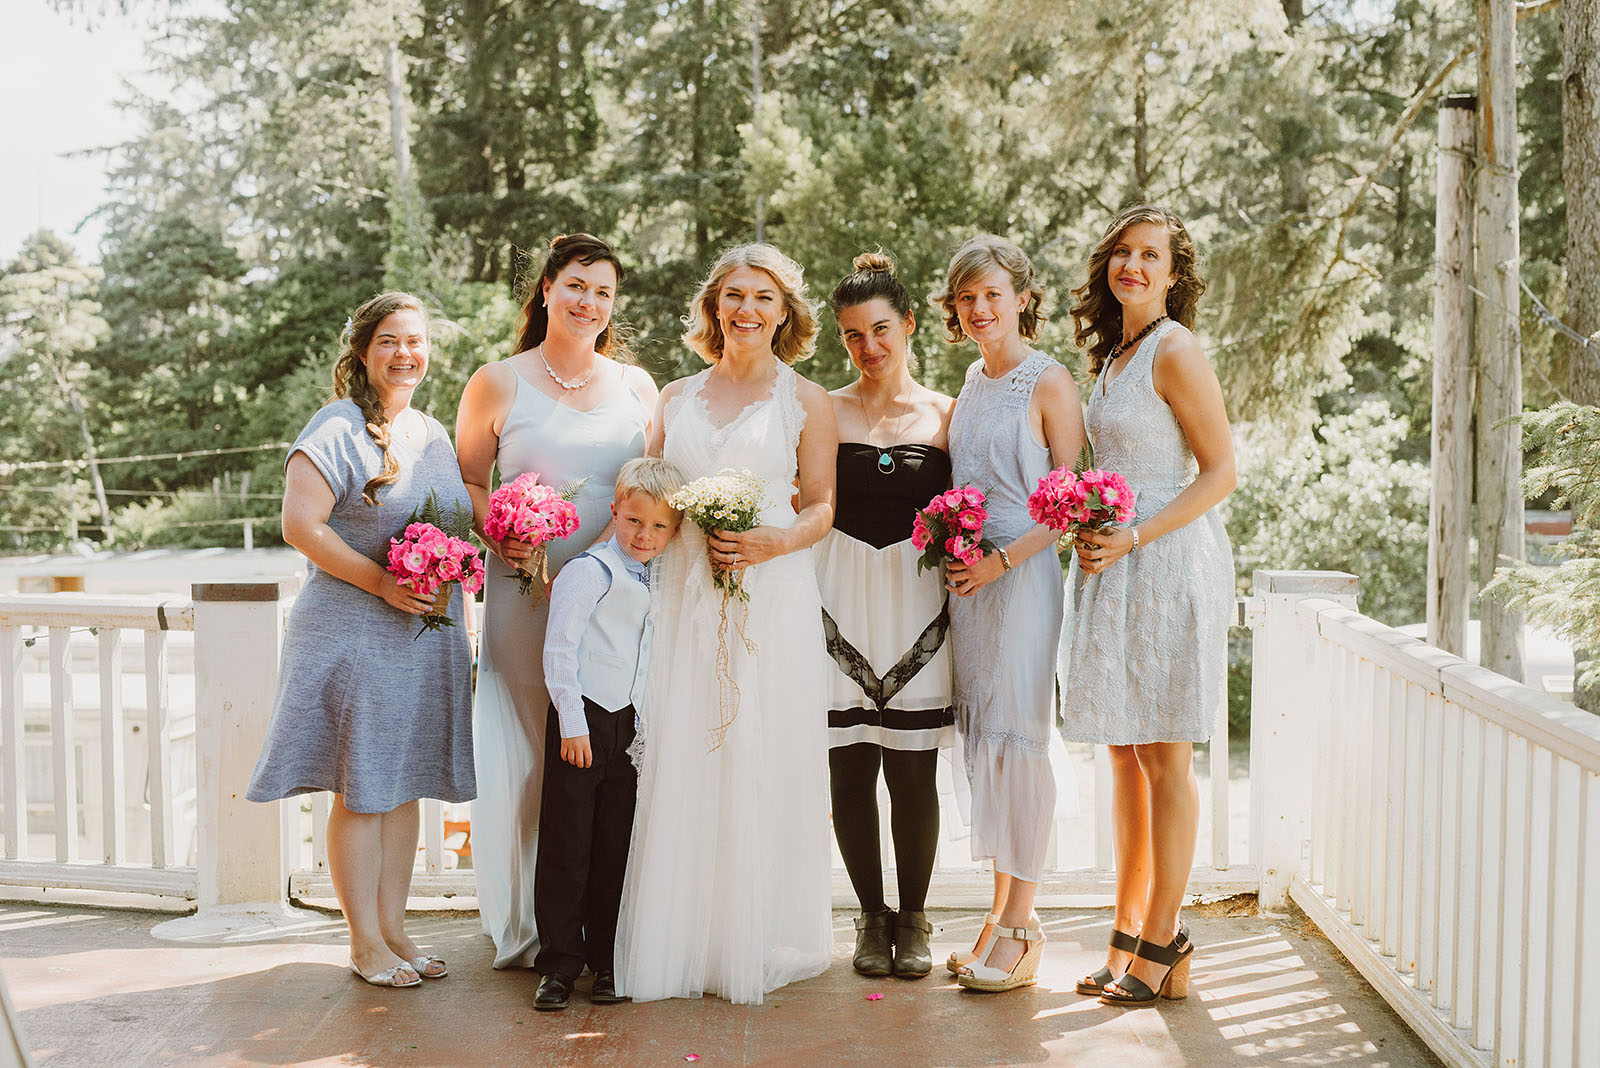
{"x":562,"y":382}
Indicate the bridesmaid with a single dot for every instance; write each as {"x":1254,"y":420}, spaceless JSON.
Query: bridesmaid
{"x":1149,"y":652}
{"x":1017,"y":417}
{"x":885,"y":624}
{"x":363,"y":709}
{"x":566,"y":407}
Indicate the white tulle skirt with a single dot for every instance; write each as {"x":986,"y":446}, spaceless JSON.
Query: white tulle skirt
{"x":728,"y":888}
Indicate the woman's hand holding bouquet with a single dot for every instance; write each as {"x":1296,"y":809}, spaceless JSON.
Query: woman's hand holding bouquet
{"x":726,"y":502}
{"x":950,"y":529}
{"x":533,"y":513}
{"x":426,"y":559}
{"x":1090,"y":500}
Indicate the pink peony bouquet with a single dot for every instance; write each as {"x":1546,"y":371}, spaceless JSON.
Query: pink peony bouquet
{"x":950,"y":529}
{"x":536,"y":514}
{"x":427,"y":560}
{"x":1089,"y":500}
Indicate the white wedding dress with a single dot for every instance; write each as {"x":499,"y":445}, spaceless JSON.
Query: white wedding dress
{"x":729,"y":878}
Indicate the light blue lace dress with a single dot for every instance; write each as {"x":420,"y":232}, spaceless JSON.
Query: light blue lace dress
{"x":1150,"y":644}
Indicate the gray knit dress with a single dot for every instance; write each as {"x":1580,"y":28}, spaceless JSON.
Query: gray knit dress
{"x":362,"y":709}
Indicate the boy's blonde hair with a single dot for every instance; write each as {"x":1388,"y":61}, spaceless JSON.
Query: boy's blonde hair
{"x":652,"y":476}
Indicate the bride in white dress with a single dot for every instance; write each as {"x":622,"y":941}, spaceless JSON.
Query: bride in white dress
{"x":729,"y":878}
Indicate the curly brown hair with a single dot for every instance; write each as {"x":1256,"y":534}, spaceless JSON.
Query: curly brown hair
{"x":796,"y":336}
{"x":350,"y":377}
{"x":976,"y":258}
{"x":1097,"y":316}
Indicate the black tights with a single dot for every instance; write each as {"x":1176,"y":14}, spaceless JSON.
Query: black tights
{"x":913,"y":819}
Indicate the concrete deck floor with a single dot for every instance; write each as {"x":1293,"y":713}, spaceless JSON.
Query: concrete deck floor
{"x":94,"y":988}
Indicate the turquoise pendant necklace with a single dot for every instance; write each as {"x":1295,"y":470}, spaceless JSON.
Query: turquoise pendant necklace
{"x":886,"y":464}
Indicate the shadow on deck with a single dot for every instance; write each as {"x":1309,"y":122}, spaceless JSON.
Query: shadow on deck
{"x":95,"y":988}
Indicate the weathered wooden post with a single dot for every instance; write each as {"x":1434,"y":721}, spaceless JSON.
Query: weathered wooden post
{"x":1450,"y":504}
{"x":1497,"y":333}
{"x":1580,"y":174}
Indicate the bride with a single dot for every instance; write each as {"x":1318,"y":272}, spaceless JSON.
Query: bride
{"x":729,"y":879}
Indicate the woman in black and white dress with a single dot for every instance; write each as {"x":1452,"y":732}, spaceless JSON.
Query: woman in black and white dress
{"x":890,"y":704}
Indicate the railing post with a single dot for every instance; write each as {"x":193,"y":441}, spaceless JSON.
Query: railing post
{"x":238,"y":630}
{"x":1282,"y":751}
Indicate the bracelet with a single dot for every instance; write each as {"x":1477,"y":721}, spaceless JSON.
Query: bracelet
{"x":1004,"y":559}
{"x":1135,"y":538}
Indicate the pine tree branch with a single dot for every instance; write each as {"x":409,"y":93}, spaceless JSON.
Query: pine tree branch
{"x":1419,"y":99}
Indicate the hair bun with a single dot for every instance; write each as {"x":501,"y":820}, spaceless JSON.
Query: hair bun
{"x":873,"y":263}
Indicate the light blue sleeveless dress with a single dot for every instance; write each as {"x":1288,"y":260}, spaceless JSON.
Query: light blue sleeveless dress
{"x":563,"y":445}
{"x":1004,"y":637}
{"x":1150,"y":644}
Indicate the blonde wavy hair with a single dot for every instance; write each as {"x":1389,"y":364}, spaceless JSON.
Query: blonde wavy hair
{"x":976,"y":258}
{"x":350,"y":377}
{"x":796,"y":336}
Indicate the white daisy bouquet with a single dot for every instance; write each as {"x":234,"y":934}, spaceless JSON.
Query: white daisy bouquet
{"x":728,"y":501}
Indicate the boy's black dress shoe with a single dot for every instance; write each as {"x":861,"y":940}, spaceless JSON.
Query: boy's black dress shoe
{"x":604,"y":990}
{"x":555,"y":991}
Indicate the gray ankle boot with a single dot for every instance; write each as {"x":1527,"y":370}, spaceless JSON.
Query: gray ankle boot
{"x":874,"y":943}
{"x":912,"y":957}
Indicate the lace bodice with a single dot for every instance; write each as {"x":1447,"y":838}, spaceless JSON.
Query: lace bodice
{"x":1134,"y":431}
{"x":991,"y":446}
{"x":764,"y":439}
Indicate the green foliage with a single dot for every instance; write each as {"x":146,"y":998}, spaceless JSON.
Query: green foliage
{"x":49,"y":323}
{"x":1339,"y":499}
{"x":1563,"y":448}
{"x":264,"y":199}
{"x":453,"y":519}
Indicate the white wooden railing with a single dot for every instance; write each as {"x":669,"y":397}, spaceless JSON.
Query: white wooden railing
{"x":82,"y":675}
{"x":211,"y":662}
{"x":80,"y":681}
{"x":1445,"y":832}
{"x":1440,"y":823}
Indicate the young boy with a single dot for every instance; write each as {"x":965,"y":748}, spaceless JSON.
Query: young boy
{"x":596,"y":655}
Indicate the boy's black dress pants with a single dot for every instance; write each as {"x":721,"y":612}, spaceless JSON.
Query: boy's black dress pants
{"x":585,"y":823}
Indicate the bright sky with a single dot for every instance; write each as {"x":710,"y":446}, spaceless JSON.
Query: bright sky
{"x":59,"y":78}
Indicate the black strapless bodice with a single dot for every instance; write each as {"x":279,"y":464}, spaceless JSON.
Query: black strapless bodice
{"x":878,"y":507}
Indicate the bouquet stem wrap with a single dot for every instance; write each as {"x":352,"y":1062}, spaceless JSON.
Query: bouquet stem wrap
{"x":729,"y":501}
